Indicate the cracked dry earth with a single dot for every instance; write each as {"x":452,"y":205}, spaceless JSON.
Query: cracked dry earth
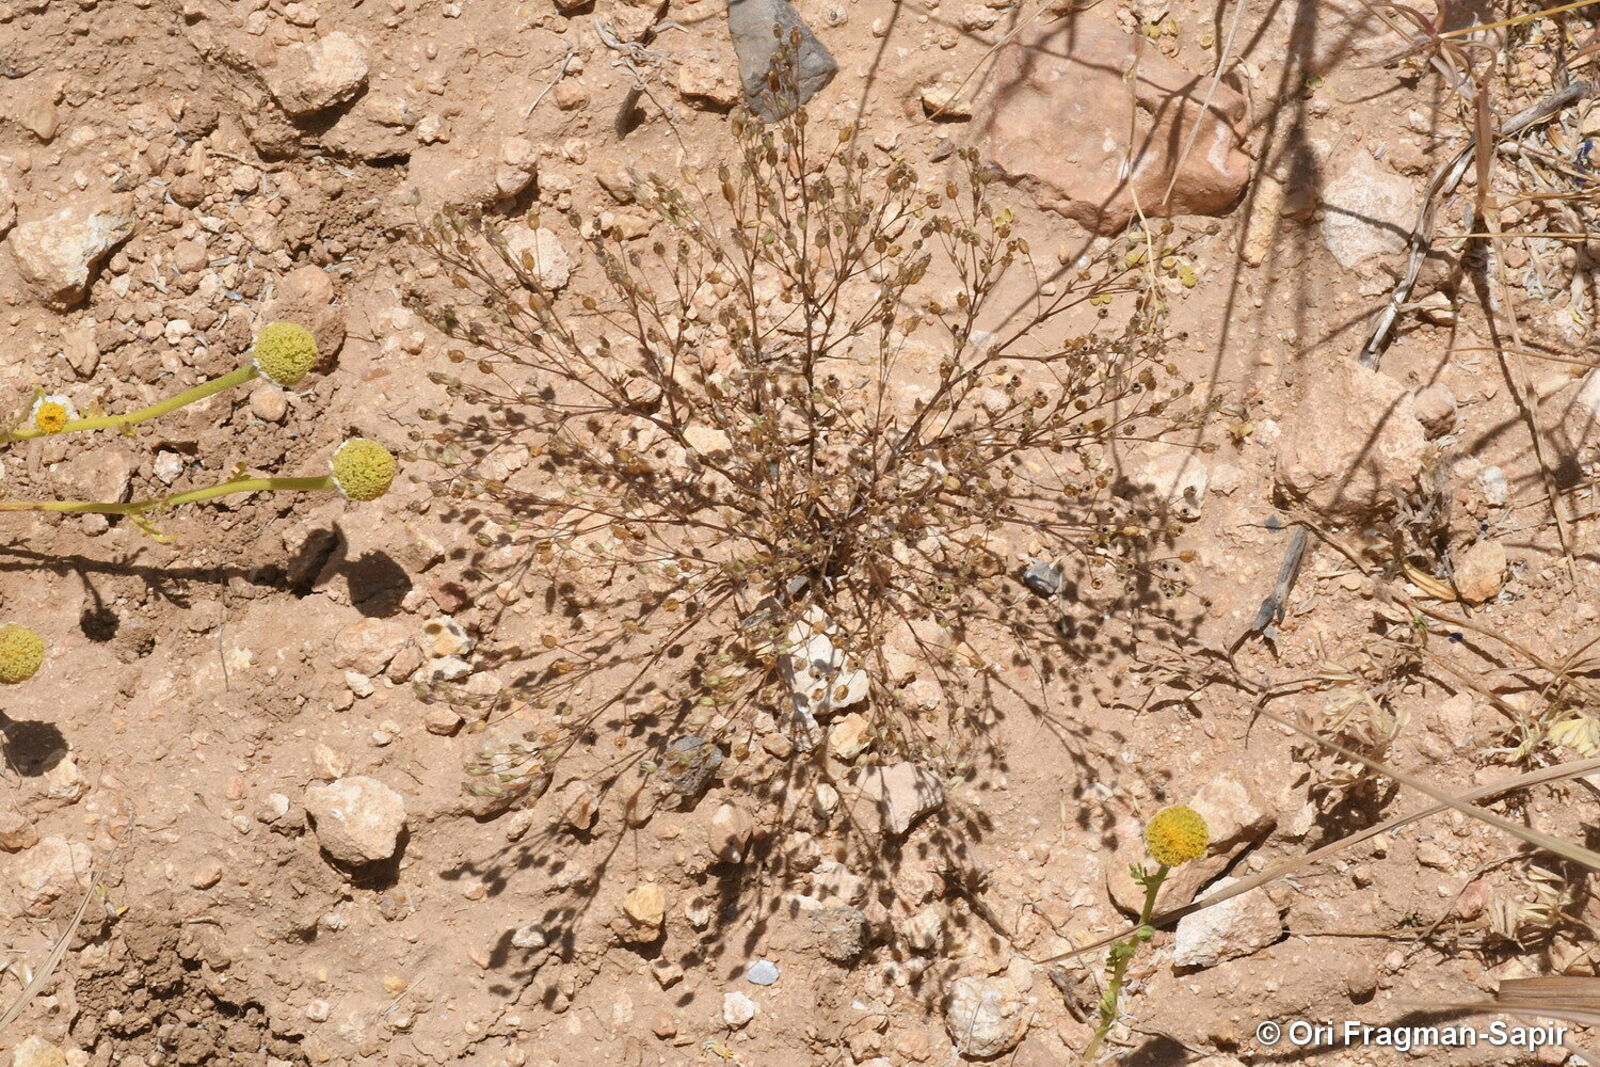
{"x":225,"y":761}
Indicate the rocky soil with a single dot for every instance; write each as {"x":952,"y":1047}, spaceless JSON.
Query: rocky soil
{"x":227,"y":764}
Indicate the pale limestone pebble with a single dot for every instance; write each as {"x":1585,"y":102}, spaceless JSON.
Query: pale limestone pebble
{"x":60,"y":786}
{"x":359,"y":684}
{"x":728,"y":833}
{"x":472,"y":173}
{"x":841,"y":933}
{"x":626,"y":225}
{"x":698,"y":912}
{"x":986,"y":1016}
{"x":442,"y":722}
{"x":575,"y":150}
{"x":1455,"y":719}
{"x":518,"y":166}
{"x":1235,"y":811}
{"x":40,"y":117}
{"x":738,"y":1010}
{"x":1587,"y":399}
{"x":358,"y":820}
{"x":444,"y":636}
{"x":1178,"y":481}
{"x":540,"y":253}
{"x":1234,"y":928}
{"x":943,"y":99}
{"x":704,"y":81}
{"x":666,"y":973}
{"x":206,"y":875}
{"x":307,"y":296}
{"x":444,"y":670}
{"x":645,"y":908}
{"x":8,"y":205}
{"x":269,"y":402}
{"x":57,"y":254}
{"x":1350,"y":468}
{"x":1480,"y":572}
{"x":903,"y":793}
{"x":367,"y":646}
{"x":167,"y":466}
{"x":822,"y":679}
{"x":578,"y":805}
{"x":924,"y":931}
{"x":1430,"y":854}
{"x":849,"y":737}
{"x":34,"y":1051}
{"x":17,"y":831}
{"x":309,"y":78}
{"x":1367,"y":213}
{"x":51,"y":869}
{"x":826,"y":799}
{"x":1436,"y":410}
{"x":329,"y":762}
{"x":1265,"y":220}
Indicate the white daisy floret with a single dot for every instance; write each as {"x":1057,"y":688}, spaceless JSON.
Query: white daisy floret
{"x":51,"y":412}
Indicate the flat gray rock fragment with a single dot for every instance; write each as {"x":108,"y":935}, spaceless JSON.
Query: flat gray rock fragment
{"x":752,"y":23}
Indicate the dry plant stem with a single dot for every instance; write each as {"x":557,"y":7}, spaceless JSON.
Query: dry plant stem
{"x":1288,"y":867}
{"x":106,"y":422}
{"x":1120,"y":956}
{"x":57,"y":951}
{"x":1565,"y":849}
{"x":764,"y":325}
{"x":1517,"y":20}
{"x":138,"y":507}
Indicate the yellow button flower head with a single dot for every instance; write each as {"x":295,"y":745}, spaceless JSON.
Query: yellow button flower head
{"x":1176,"y":835}
{"x":284,"y":352}
{"x":362,"y":469}
{"x":21,"y":652}
{"x":51,"y":413}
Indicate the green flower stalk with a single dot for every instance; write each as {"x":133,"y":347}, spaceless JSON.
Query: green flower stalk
{"x":359,"y":470}
{"x":21,"y":653}
{"x":283,"y":354}
{"x":1173,"y":836}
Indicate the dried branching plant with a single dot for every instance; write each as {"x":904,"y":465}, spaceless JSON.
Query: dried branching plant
{"x":792,"y":449}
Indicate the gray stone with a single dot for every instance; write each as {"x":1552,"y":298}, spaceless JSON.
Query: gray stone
{"x":762,"y":972}
{"x":760,"y":28}
{"x":688,"y":767}
{"x":1042,"y":577}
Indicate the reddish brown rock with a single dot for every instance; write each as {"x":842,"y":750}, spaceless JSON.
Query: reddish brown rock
{"x":1066,"y":123}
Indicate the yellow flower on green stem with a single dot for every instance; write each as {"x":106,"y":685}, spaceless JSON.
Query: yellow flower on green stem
{"x":51,"y":413}
{"x":1176,"y":835}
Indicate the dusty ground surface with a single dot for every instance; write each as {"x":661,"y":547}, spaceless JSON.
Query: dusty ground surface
{"x":195,"y":691}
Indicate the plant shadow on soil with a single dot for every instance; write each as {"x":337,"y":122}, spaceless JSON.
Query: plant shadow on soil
{"x":791,"y":847}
